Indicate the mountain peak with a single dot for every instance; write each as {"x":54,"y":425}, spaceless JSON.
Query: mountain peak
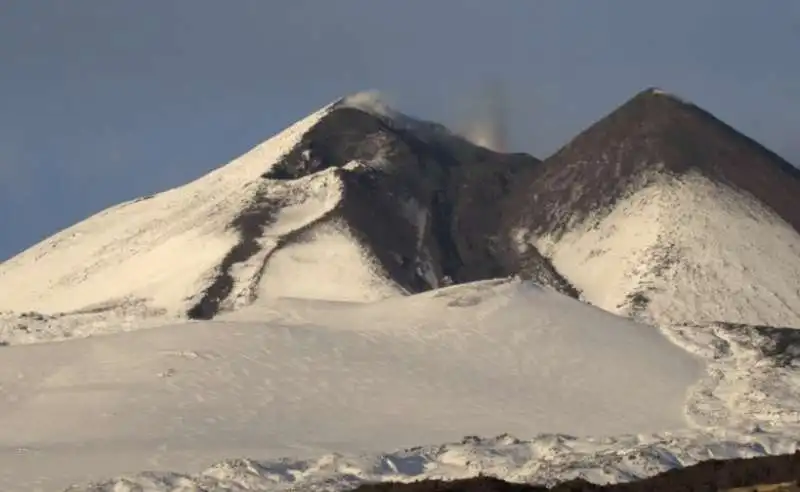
{"x":650,"y":135}
{"x":660,"y":209}
{"x":355,"y":202}
{"x":655,"y":91}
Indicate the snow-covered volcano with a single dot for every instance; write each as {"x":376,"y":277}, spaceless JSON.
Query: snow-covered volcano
{"x":303,"y":252}
{"x":355,"y":202}
{"x":658,"y":211}
{"x":663,"y":212}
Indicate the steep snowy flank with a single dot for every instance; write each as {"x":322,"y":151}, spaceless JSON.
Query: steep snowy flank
{"x":662,"y":212}
{"x":684,"y":249}
{"x":305,"y":378}
{"x":162,"y":249}
{"x":279,"y":214}
{"x":326,"y":262}
{"x":297,"y":247}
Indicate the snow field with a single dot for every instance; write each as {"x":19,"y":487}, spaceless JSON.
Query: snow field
{"x":299,"y":377}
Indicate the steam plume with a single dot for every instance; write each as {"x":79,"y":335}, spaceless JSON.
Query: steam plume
{"x":487,"y":124}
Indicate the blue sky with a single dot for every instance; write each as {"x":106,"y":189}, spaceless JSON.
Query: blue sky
{"x":105,"y":100}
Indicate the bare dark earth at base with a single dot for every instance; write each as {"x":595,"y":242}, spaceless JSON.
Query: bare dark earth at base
{"x":770,"y":473}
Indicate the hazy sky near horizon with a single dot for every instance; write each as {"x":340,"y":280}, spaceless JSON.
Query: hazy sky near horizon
{"x":105,"y":100}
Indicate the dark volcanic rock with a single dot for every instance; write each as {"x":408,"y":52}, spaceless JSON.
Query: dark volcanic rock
{"x":711,"y":476}
{"x":778,"y":346}
{"x":410,"y":177}
{"x":250,"y":224}
{"x":653,"y":133}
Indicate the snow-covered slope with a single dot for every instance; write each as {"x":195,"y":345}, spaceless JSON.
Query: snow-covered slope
{"x":163,"y":249}
{"x":685,"y":248}
{"x":337,"y":385}
{"x":306,"y":378}
{"x":749,"y":394}
{"x":662,"y":212}
{"x":328,"y":263}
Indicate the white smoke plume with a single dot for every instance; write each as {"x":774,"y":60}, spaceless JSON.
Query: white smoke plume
{"x":486,"y":123}
{"x":484,"y":120}
{"x":371,"y":101}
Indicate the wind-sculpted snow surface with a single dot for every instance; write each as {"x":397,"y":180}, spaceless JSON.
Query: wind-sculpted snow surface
{"x":305,"y":378}
{"x":546,"y":459}
{"x":753,"y":379}
{"x":100,"y":319}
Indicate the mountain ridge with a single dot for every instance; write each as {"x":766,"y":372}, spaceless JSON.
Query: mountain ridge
{"x":413,"y":207}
